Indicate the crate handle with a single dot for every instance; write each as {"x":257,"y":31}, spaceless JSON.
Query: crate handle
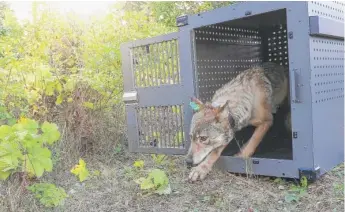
{"x":294,"y":86}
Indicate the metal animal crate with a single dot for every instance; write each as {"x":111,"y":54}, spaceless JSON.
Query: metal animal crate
{"x":162,"y":73}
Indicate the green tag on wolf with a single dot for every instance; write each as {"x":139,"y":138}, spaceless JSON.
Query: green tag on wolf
{"x":194,"y":106}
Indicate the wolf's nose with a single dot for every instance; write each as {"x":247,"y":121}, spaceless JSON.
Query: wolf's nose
{"x":189,"y":162}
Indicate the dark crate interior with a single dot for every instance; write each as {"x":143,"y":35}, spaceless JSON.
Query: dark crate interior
{"x":223,"y":50}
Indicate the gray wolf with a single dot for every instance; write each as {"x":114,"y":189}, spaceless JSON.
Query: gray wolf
{"x":248,"y":99}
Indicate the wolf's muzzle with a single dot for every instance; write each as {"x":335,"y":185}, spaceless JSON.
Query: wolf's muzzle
{"x":189,"y":162}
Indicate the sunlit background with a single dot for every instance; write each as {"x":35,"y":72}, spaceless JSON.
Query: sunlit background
{"x":23,"y":9}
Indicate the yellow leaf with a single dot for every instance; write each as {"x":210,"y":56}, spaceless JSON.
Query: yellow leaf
{"x":69,"y":99}
{"x":80,"y":170}
{"x":139,"y":164}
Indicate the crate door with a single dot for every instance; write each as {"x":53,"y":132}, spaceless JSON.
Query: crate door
{"x":153,"y":95}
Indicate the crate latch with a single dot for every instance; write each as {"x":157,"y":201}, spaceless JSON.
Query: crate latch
{"x":182,"y":20}
{"x":130,"y":97}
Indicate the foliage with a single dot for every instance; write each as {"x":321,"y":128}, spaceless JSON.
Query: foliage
{"x":166,"y":12}
{"x":60,"y":68}
{"x":339,"y":190}
{"x":80,"y":170}
{"x":50,"y":56}
{"x":131,"y":173}
{"x":139,"y":164}
{"x":297,"y":191}
{"x":46,"y":64}
{"x":156,"y":181}
{"x":23,"y":148}
{"x":159,"y":159}
{"x":278,"y":180}
{"x":48,"y":194}
{"x":118,"y":149}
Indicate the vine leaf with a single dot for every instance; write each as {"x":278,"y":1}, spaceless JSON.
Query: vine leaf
{"x":37,"y":160}
{"x":9,"y":158}
{"x":26,"y":124}
{"x":157,"y":181}
{"x":5,"y":131}
{"x":48,"y":194}
{"x":50,"y":132}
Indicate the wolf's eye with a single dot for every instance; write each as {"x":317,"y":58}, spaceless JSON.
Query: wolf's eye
{"x":203,"y":138}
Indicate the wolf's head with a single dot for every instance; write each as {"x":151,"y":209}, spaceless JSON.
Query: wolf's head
{"x":211,"y":128}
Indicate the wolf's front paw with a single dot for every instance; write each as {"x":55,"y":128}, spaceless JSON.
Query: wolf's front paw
{"x":199,"y":172}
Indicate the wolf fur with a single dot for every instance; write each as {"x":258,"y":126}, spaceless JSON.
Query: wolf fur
{"x":249,"y":99}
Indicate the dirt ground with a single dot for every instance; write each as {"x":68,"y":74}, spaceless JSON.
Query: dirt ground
{"x":115,"y":190}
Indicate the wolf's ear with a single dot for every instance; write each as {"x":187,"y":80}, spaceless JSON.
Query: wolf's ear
{"x":218,"y":108}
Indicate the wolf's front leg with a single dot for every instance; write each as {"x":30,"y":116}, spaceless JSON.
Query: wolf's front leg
{"x":200,"y":171}
{"x":255,"y":140}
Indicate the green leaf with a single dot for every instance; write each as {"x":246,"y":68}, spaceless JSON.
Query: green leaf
{"x":50,"y":132}
{"x":50,"y":88}
{"x":158,"y":159}
{"x":58,"y":86}
{"x":159,"y":177}
{"x":291,"y":198}
{"x":118,"y":149}
{"x":38,"y":160}
{"x":10,"y":148}
{"x":8,"y":163}
{"x":278,"y":180}
{"x":10,"y":155}
{"x":26,"y":124}
{"x":147,"y":184}
{"x":164,"y":190}
{"x":157,"y":181}
{"x":4,"y":175}
{"x":5,"y":131}
{"x":70,"y":84}
{"x":11,"y":121}
{"x":48,"y":194}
